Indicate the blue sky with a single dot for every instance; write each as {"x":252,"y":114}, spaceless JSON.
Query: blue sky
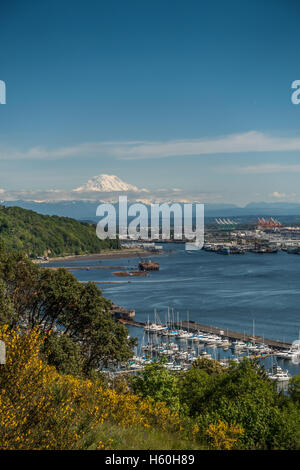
{"x":165,"y":94}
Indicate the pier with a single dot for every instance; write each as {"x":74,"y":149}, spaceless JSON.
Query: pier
{"x":121,"y":312}
{"x":232,"y":335}
{"x":235,"y":335}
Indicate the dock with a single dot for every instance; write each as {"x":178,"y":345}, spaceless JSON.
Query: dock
{"x":121,"y":313}
{"x":235,"y":335}
{"x":232,"y":335}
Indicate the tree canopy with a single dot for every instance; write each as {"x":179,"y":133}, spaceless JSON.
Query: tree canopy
{"x":75,"y":316}
{"x":39,"y":235}
{"x":234,"y":406}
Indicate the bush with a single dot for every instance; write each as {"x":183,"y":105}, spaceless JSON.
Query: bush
{"x":158,"y":383}
{"x":41,"y":409}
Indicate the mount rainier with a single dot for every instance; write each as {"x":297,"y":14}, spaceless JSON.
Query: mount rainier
{"x":107,"y":183}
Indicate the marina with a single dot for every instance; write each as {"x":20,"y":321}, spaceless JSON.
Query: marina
{"x":182,"y":343}
{"x":225,"y":296}
{"x":193,"y":327}
{"x":179,"y":352}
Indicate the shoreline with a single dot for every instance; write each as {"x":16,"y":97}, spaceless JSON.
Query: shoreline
{"x":111,"y":254}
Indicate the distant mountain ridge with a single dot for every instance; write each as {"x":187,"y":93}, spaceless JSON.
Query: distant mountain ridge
{"x":81,"y":202}
{"x":86,"y":210}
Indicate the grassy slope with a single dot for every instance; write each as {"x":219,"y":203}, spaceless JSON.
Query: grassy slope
{"x":139,"y":438}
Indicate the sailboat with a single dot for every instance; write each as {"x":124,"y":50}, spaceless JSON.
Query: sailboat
{"x":155,"y":327}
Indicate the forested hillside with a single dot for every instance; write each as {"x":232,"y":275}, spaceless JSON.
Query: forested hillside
{"x":38,"y":235}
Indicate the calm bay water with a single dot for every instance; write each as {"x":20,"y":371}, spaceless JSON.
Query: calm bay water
{"x":223,"y":291}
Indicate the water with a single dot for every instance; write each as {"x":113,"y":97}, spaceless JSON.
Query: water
{"x":222,"y":291}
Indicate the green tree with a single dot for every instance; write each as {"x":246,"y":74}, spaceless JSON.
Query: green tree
{"x":56,"y":302}
{"x":64,"y":354}
{"x":7,"y":312}
{"x":158,"y":383}
{"x":194,"y":386}
{"x":208,"y":365}
{"x":294,"y":389}
{"x":242,"y":395}
{"x":37,"y":234}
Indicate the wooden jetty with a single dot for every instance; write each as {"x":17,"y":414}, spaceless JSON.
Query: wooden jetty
{"x":132,"y":323}
{"x":121,"y":312}
{"x":86,"y":267}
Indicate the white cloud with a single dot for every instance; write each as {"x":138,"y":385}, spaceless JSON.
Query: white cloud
{"x":159,"y":195}
{"x":283,"y":196}
{"x":266,"y":168}
{"x":236,"y":143}
{"x":108,"y":188}
{"x":252,"y":141}
{"x":278,"y":195}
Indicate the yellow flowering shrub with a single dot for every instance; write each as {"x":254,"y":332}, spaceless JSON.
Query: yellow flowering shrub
{"x":41,"y":409}
{"x":223,"y":435}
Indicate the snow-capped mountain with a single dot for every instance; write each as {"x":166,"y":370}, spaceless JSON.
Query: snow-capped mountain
{"x":106,"y":183}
